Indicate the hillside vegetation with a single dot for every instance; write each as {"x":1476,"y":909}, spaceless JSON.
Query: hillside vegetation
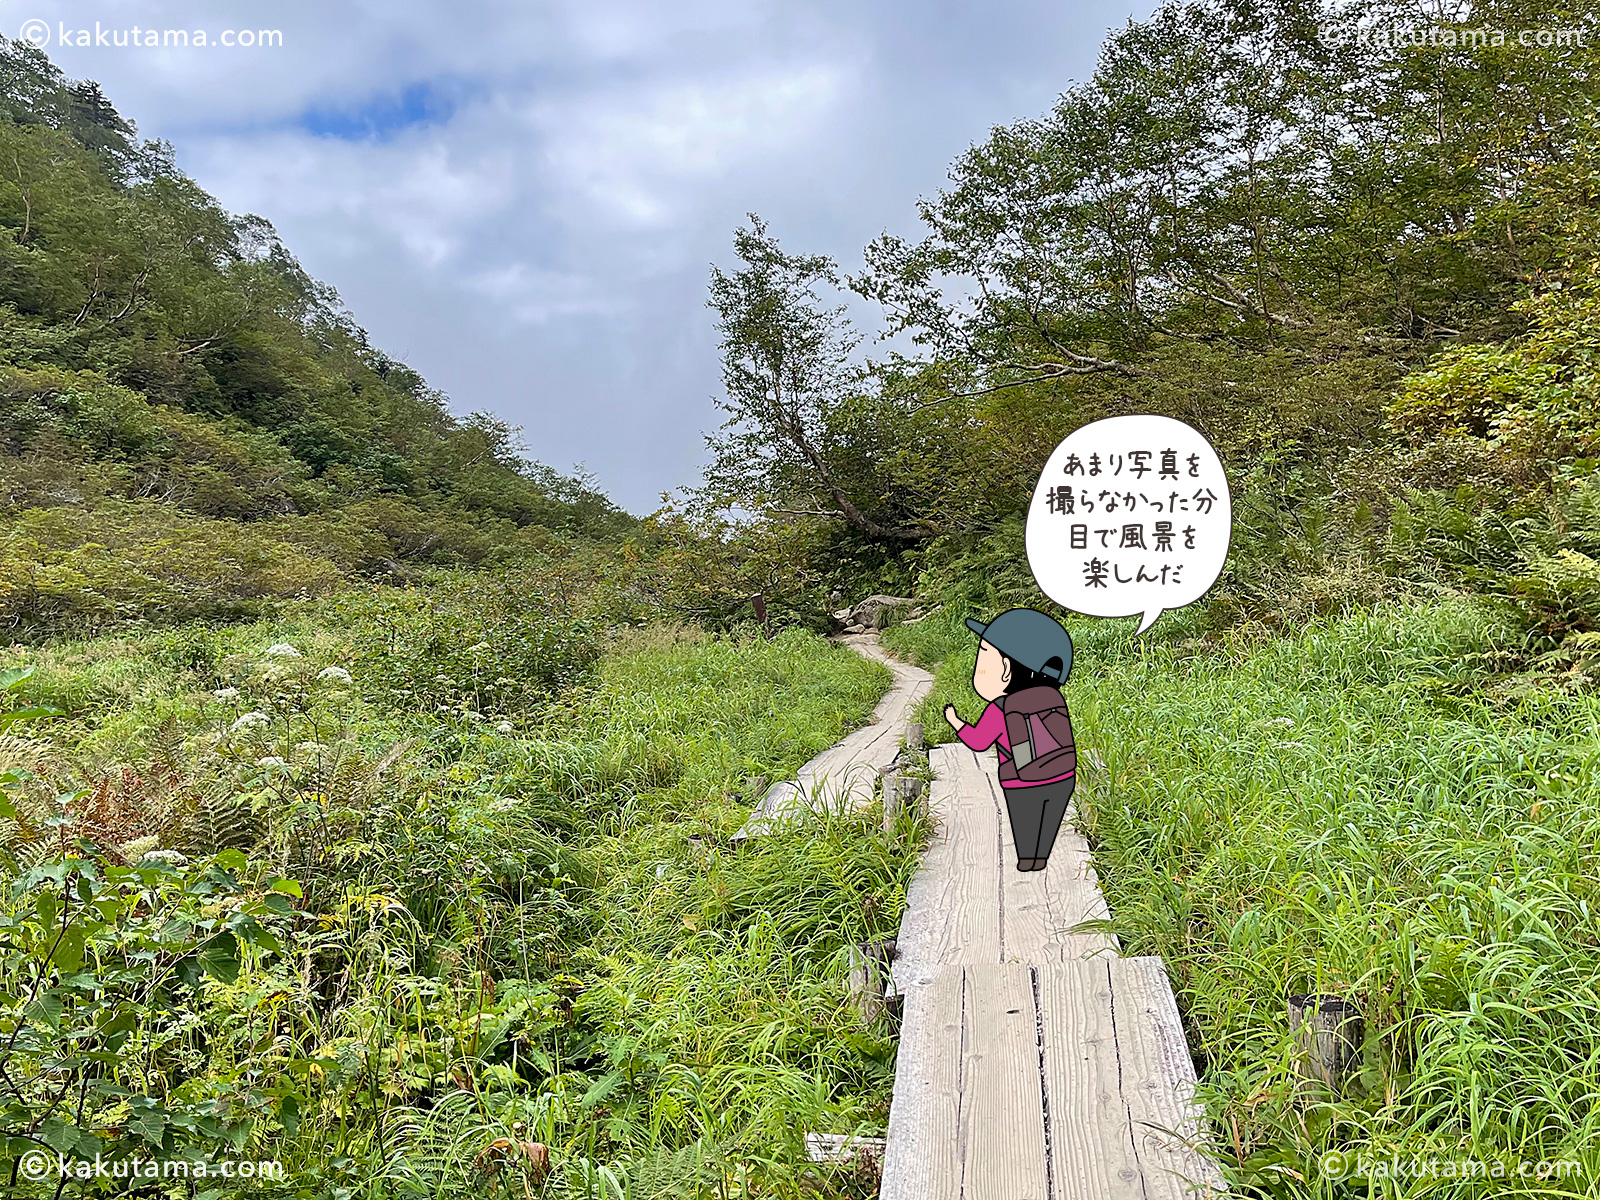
{"x":188,"y":422}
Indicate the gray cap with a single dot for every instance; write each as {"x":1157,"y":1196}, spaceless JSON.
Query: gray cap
{"x":1027,"y":636}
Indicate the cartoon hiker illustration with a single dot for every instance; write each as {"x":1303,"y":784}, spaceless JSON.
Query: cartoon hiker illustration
{"x":1023,"y":660}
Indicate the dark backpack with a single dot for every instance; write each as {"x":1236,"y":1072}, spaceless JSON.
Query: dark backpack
{"x":1040,"y":733}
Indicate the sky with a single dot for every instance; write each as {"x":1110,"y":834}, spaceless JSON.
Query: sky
{"x":522,"y":201}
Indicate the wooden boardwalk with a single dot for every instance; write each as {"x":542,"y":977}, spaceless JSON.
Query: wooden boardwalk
{"x":842,"y":777}
{"x":1035,"y":1063}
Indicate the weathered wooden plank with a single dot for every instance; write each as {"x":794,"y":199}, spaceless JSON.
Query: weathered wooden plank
{"x":952,"y":907}
{"x":1073,"y":891}
{"x":1158,"y":1082}
{"x":920,"y":1158}
{"x":979,"y":794}
{"x":1038,"y":909}
{"x":1070,"y":947}
{"x":1030,"y":931}
{"x":1002,"y":1106}
{"x":1083,"y":1089}
{"x":1091,"y":1139}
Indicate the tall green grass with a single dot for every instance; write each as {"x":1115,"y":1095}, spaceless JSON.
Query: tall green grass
{"x":526,"y":929}
{"x":1362,"y":809}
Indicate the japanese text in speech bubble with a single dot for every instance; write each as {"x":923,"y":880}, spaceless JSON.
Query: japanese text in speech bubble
{"x":1132,"y":516}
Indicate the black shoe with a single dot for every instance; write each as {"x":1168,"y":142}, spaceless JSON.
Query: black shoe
{"x":1026,"y":864}
{"x":1036,"y":864}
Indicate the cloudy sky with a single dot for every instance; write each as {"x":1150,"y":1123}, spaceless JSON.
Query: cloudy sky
{"x":522,"y":200}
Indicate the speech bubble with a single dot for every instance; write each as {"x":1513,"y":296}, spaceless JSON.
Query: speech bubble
{"x":1131,"y":516}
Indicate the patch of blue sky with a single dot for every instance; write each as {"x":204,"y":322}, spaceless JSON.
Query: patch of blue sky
{"x":379,"y":118}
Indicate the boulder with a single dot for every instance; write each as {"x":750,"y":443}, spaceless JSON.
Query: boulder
{"x":874,"y":612}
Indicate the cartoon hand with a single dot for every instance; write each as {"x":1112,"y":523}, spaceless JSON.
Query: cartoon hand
{"x":950,"y":715}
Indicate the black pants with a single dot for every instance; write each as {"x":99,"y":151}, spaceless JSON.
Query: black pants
{"x":1036,"y":814}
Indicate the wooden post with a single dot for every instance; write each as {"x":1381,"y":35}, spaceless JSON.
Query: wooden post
{"x":914,"y":736}
{"x":871,"y":984}
{"x":892,"y":795}
{"x":1329,"y":1031}
{"x":759,"y":603}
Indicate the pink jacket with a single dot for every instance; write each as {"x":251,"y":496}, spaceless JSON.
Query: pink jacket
{"x":991,"y":729}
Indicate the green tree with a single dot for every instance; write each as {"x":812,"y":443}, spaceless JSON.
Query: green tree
{"x":792,"y":394}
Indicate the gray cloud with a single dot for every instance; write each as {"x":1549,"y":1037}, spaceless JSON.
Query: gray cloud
{"x":522,"y":201}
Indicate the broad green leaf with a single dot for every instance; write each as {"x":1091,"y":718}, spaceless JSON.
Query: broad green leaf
{"x":190,"y":971}
{"x":58,"y":1134}
{"x":254,"y":932}
{"x":68,"y":954}
{"x":289,"y":1113}
{"x":149,"y":1123}
{"x":46,"y":1008}
{"x":220,"y":957}
{"x":31,"y":713}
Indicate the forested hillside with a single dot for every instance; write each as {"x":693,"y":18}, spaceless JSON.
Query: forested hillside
{"x":188,"y":422}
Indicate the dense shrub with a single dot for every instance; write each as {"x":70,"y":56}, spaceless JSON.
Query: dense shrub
{"x":489,"y":643}
{"x":132,"y":559}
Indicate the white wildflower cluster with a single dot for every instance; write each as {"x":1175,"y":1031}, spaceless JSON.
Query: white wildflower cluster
{"x":334,"y":675}
{"x":227,"y":693}
{"x":271,"y":760}
{"x":281,"y":650}
{"x":505,"y":727}
{"x":251,"y":720}
{"x":175,"y":858}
